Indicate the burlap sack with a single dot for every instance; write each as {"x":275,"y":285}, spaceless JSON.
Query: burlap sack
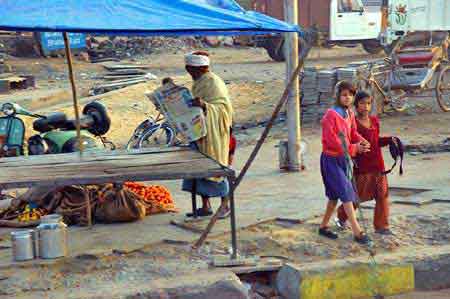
{"x":73,"y":204}
{"x":119,"y":206}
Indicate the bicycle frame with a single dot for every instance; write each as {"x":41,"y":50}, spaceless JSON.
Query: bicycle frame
{"x":151,"y":124}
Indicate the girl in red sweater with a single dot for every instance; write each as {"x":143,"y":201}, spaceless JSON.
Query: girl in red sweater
{"x":333,"y":165}
{"x":369,"y":168}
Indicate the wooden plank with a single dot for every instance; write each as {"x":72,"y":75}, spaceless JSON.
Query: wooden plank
{"x":88,"y":156}
{"x":92,"y":169}
{"x":107,"y":167}
{"x":144,"y":161}
{"x":121,"y":83}
{"x":105,"y":179}
{"x":80,"y":177}
{"x":126,"y":72}
{"x":129,"y":160}
{"x":122,"y":77}
{"x":103,"y":168}
{"x":112,"y":67}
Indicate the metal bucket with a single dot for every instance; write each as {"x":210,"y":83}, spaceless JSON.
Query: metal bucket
{"x":51,"y":219}
{"x":35,"y":235}
{"x":52,"y":237}
{"x":23,"y":245}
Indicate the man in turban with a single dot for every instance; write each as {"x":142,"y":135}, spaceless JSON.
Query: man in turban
{"x":211,"y":94}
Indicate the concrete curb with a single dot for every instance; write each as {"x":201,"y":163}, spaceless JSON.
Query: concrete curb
{"x":425,"y":268}
{"x":345,"y":280}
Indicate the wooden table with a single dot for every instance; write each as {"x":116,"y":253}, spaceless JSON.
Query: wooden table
{"x":100,"y":167}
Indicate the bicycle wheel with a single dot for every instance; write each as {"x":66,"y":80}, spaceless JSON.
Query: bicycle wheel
{"x":132,"y":144}
{"x":161,"y":136}
{"x":397,"y":99}
{"x":443,"y":89}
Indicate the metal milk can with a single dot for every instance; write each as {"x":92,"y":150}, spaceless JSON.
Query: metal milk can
{"x":23,"y":245}
{"x":52,"y":234}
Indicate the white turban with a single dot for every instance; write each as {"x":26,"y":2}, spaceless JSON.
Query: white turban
{"x":196,"y":60}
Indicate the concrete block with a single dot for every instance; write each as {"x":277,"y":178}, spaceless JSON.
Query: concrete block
{"x":433,"y":273}
{"x":336,"y":280}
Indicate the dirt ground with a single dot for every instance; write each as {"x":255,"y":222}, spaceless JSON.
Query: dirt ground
{"x":255,"y":84}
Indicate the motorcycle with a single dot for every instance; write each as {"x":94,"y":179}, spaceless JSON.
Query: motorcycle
{"x":57,"y":133}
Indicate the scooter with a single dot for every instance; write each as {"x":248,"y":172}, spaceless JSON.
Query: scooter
{"x":57,"y":133}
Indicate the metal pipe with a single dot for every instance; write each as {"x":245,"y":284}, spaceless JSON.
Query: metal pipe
{"x":233,"y":219}
{"x":293,"y":104}
{"x":194,"y":198}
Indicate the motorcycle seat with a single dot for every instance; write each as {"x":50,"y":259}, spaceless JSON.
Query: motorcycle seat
{"x":52,"y":121}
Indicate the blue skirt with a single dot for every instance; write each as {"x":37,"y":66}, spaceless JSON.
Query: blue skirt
{"x":337,"y":185}
{"x":207,"y":188}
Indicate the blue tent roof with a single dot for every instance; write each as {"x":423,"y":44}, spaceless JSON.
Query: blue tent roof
{"x":149,"y":17}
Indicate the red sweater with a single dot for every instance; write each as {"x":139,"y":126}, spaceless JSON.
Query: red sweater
{"x":371,"y":162}
{"x":332,"y":124}
{"x":232,"y":144}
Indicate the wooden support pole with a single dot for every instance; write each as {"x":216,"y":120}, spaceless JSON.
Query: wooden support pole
{"x":293,"y":104}
{"x":74,"y":90}
{"x":294,"y":78}
{"x":88,"y":206}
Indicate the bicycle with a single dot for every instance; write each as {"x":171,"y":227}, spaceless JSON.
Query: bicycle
{"x":153,"y":132}
{"x":379,"y":80}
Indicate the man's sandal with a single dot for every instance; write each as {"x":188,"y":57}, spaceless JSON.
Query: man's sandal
{"x":201,"y":213}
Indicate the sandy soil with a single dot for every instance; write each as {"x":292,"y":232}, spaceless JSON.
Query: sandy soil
{"x":255,"y":85}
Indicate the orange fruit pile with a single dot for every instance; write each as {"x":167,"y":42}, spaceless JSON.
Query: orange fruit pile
{"x":158,"y":196}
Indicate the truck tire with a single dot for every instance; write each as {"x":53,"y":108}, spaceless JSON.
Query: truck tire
{"x":101,"y":118}
{"x":372,"y":47}
{"x":278,"y":55}
{"x":275,"y":52}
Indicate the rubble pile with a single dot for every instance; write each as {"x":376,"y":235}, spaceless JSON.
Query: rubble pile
{"x":18,"y":45}
{"x":125,"y":47}
{"x":116,"y":48}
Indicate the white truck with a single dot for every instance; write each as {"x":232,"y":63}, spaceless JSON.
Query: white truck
{"x":331,"y":22}
{"x":404,"y":16}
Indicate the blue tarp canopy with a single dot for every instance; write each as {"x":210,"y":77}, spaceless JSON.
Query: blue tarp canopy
{"x":148,"y":17}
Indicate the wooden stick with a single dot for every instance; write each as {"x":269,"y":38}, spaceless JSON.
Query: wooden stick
{"x":254,"y":153}
{"x":88,"y":206}
{"x":186,"y":227}
{"x":74,"y":90}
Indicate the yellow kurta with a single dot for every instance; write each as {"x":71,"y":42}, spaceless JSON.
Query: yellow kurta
{"x":213,"y":91}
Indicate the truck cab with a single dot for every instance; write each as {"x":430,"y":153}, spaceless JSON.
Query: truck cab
{"x":350,"y":20}
{"x":329,"y":22}
{"x":406,"y":16}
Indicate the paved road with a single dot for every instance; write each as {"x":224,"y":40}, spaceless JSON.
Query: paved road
{"x":444,"y":294}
